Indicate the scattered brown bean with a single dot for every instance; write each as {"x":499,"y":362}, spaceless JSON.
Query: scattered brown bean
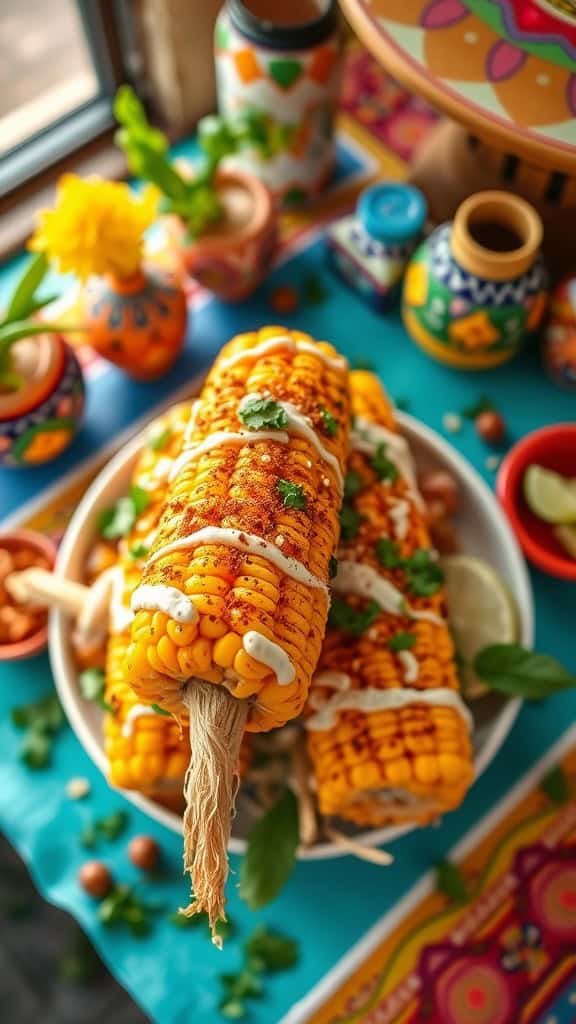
{"x":438,"y":486}
{"x":490,"y":426}
{"x":144,"y":852}
{"x":95,"y":879}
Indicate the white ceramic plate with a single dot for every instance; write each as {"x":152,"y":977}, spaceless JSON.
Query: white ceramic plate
{"x":482,"y":530}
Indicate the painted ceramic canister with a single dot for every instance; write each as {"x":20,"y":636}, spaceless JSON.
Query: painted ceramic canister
{"x":559,"y":347}
{"x":138,"y":323}
{"x":234,"y":255}
{"x":39,"y":420}
{"x":370,"y":248}
{"x":282,"y":61}
{"x":477,"y":286}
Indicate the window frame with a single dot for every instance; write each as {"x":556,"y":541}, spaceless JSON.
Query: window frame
{"x":32,"y":159}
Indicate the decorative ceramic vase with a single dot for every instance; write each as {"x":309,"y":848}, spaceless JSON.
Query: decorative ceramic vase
{"x":282,"y":60}
{"x":477,"y":286}
{"x":559,"y":346}
{"x":139,"y":323}
{"x":370,"y":248}
{"x":234,"y":254}
{"x":39,"y":420}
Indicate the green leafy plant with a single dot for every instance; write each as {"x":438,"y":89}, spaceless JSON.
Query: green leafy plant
{"x":451,"y":882}
{"x":41,"y":721}
{"x":109,"y":828}
{"x":195,"y":200}
{"x":513,"y":671}
{"x":18,"y":321}
{"x":265,"y":952}
{"x":262,"y":876}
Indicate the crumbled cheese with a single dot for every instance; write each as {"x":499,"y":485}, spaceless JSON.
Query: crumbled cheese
{"x":492,"y":462}
{"x":452,"y":422}
{"x":326,"y":481}
{"x":309,"y":463}
{"x":265,"y":457}
{"x":77,"y":788}
{"x":279,"y":540}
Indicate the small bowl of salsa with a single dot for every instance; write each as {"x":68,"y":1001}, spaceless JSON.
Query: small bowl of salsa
{"x":23,"y":627}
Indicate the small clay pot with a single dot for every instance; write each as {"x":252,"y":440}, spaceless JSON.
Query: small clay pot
{"x":559,"y":345}
{"x":138,"y":323}
{"x":234,"y":254}
{"x":477,"y":286}
{"x":13,"y":541}
{"x":40,"y":419}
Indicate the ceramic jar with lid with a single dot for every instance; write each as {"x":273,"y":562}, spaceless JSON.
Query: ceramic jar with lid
{"x":476,"y":288}
{"x":281,"y":60}
{"x":370,"y":248}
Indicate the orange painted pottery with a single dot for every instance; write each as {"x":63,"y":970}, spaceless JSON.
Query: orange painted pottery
{"x":559,"y":345}
{"x":138,"y":323}
{"x":476,"y":287}
{"x":22,"y":549}
{"x":234,"y":255}
{"x":39,"y":419}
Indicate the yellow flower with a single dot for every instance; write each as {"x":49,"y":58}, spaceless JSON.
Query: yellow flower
{"x":416,"y":285}
{"x":474,"y":331}
{"x":96,"y":227}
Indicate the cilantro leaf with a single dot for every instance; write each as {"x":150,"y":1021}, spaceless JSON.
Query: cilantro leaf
{"x":383,"y":466}
{"x":353,"y":484}
{"x":516,"y":672}
{"x":292,"y":494}
{"x":113,"y":825}
{"x":140,"y":499}
{"x":329,"y":423}
{"x":332,"y":567}
{"x":451,"y":882}
{"x":402,"y":641}
{"x":352,"y":620}
{"x":263,"y":412}
{"x":138,"y":551}
{"x":262,"y":876}
{"x":160,"y":440}
{"x":424,"y":576}
{"x":273,"y":951}
{"x":387,"y":553}
{"x":36,"y":749}
{"x":160,"y":711}
{"x":350,"y":521}
{"x":118,"y":520}
{"x":92,"y":682}
{"x":42,"y":720}
{"x":483,"y":404}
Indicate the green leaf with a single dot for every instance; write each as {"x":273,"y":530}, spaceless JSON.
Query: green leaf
{"x":22,"y":303}
{"x":352,"y":620}
{"x":160,"y":711}
{"x":332,"y":567}
{"x":113,"y":825}
{"x":140,"y":498}
{"x":516,"y":672}
{"x":384,"y":468}
{"x":450,"y":882}
{"x":263,"y":412}
{"x":160,"y":440}
{"x":483,"y":404}
{"x":292,"y":494}
{"x":88,"y":837}
{"x":424,"y":576}
{"x":387,"y":553}
{"x":353,"y":484}
{"x":271,"y":853}
{"x":92,"y":682}
{"x":275,"y":951}
{"x":350,"y":521}
{"x":402,"y":641}
{"x":556,"y":785}
{"x":232,"y":1009}
{"x":329,"y":423}
{"x":13,"y":332}
{"x":138,"y":551}
{"x":118,"y":520}
{"x":36,"y":750}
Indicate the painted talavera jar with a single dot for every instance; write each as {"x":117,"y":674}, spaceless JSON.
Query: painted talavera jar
{"x":477,"y":286}
{"x":39,"y":419}
{"x":137,"y":322}
{"x":281,"y":60}
{"x":559,"y":346}
{"x":235,"y":253}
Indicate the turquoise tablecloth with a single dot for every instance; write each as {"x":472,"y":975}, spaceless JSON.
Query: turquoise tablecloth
{"x":327,"y":905}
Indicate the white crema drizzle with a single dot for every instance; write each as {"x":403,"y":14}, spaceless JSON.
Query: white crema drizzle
{"x":271,"y":654}
{"x":279,"y":343}
{"x":157,"y":597}
{"x":135,"y":712}
{"x":366,"y":437}
{"x":330,"y":679}
{"x":372,"y":700}
{"x":364,"y":581}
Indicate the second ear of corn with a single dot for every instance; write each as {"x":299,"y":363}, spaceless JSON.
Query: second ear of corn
{"x":263,"y":495}
{"x":375,"y":762}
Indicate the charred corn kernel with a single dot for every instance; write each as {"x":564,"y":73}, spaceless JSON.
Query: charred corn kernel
{"x":181,"y":633}
{"x":262,"y":564}
{"x":383,"y":765}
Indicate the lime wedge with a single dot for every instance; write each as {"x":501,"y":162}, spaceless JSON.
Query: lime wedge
{"x":550,"y":496}
{"x":566,"y":535}
{"x":481,"y":611}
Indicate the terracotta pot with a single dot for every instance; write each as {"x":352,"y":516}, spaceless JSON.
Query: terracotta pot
{"x":138,"y":323}
{"x":233,"y":256}
{"x":38,"y":421}
{"x":477,"y":287}
{"x":13,"y":541}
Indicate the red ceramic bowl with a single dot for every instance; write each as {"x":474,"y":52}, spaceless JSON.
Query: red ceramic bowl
{"x":555,"y":448}
{"x":12,"y":540}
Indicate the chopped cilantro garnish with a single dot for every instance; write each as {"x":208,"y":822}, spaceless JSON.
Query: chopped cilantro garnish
{"x":350,"y":521}
{"x":424,"y":577}
{"x":353,"y":484}
{"x":330,"y":424}
{"x":483,"y":404}
{"x":138,"y":551}
{"x":332,"y":567}
{"x":41,"y":720}
{"x":292,"y":494}
{"x":119,"y":519}
{"x":402,"y":641}
{"x":92,"y":682}
{"x":352,"y":620}
{"x":159,"y":710}
{"x":383,"y":466}
{"x":387,"y":553}
{"x":263,"y":412}
{"x":160,"y":440}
